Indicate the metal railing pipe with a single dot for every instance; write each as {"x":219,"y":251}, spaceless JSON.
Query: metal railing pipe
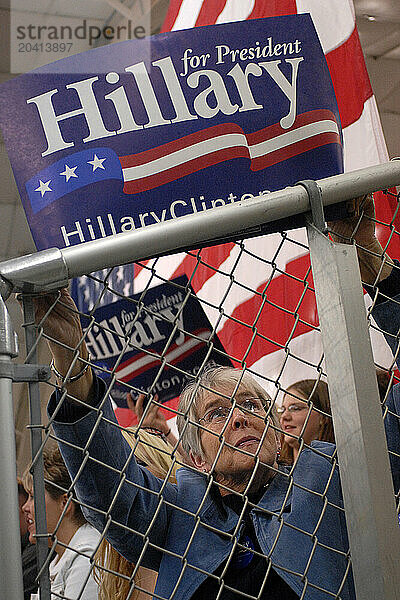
{"x":10,"y":564}
{"x":50,"y":269}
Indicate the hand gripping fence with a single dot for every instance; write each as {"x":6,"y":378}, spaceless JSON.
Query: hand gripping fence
{"x":343,"y":541}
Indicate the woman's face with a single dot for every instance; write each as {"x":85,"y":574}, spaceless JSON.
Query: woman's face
{"x":243,"y":433}
{"x":293,"y":417}
{"x":53,"y":513}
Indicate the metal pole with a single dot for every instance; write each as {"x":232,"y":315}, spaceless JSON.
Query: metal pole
{"x":37,"y":457}
{"x":10,"y":539}
{"x":50,"y":269}
{"x":188,"y":231}
{"x":361,"y":444}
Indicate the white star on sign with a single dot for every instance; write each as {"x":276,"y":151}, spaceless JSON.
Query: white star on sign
{"x":69,"y":172}
{"x":97,"y":162}
{"x":120,"y":274}
{"x":43,"y":187}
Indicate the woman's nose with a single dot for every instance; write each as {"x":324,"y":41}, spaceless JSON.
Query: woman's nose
{"x":286,"y":415}
{"x":26,"y":508}
{"x":238,"y":419}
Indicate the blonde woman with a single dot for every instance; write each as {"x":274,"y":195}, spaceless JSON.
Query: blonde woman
{"x":117,"y":577}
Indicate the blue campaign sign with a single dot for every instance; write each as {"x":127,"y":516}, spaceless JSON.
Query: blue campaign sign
{"x":152,"y":341}
{"x":139,"y":132}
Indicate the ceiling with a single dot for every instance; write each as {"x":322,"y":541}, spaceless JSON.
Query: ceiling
{"x":379,"y":27}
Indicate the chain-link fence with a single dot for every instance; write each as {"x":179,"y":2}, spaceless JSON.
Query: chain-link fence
{"x":235,"y":491}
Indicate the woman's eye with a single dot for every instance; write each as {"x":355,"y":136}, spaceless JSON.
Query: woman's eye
{"x":249,"y":405}
{"x":217,"y":413}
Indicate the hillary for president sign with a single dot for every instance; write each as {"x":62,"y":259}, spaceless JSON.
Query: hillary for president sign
{"x":152,"y":342}
{"x":143,"y":131}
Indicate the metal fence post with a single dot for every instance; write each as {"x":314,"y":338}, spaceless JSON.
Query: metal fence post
{"x":37,"y":457}
{"x":10,"y":564}
{"x":361,"y":445}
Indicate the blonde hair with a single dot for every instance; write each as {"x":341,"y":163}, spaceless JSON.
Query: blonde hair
{"x":113,"y":572}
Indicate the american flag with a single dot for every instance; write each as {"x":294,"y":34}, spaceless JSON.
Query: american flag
{"x":280,"y":343}
{"x":282,"y":335}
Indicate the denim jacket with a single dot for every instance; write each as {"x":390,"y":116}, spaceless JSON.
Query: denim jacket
{"x":188,"y":533}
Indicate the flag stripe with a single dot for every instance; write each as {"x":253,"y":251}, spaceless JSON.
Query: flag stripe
{"x":182,"y":169}
{"x":199,"y":272}
{"x":209,"y":14}
{"x":334,"y":20}
{"x":264,"y":327}
{"x":272,"y":157}
{"x":248,"y":266}
{"x":157,"y":271}
{"x":236,"y":11}
{"x":346,"y":63}
{"x":182,"y":143}
{"x":197,"y":137}
{"x":187,"y":14}
{"x":141,"y":362}
{"x":273,"y":8}
{"x":363,"y":141}
{"x":172,"y":15}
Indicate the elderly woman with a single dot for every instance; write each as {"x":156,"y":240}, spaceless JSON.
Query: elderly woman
{"x":235,"y":524}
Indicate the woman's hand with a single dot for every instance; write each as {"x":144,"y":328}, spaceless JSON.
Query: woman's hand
{"x":58,"y":318}
{"x":359,"y":227}
{"x":154,"y":418}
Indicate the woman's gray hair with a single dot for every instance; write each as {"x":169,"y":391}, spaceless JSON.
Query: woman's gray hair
{"x":213,"y":379}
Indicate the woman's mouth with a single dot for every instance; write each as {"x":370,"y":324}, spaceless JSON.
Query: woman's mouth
{"x":247,"y":441}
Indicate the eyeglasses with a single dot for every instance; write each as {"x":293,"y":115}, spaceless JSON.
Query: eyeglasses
{"x":291,"y":408}
{"x":219,"y":415}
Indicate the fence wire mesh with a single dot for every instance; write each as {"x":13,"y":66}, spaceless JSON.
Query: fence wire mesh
{"x":257,"y":512}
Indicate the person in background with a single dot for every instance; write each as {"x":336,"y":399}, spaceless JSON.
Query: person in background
{"x":28,"y":550}
{"x":72,"y":538}
{"x":305,"y":415}
{"x":113,"y":573}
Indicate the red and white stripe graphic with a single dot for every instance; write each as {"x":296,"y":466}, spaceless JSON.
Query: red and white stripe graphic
{"x":138,"y":364}
{"x":202,"y":149}
{"x":280,"y":342}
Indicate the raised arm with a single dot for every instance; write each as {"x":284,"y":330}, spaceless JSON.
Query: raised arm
{"x":110,"y":485}
{"x":378,"y":270}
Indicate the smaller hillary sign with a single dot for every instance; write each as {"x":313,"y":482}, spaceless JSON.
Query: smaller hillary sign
{"x":139,"y":132}
{"x":153,"y":341}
